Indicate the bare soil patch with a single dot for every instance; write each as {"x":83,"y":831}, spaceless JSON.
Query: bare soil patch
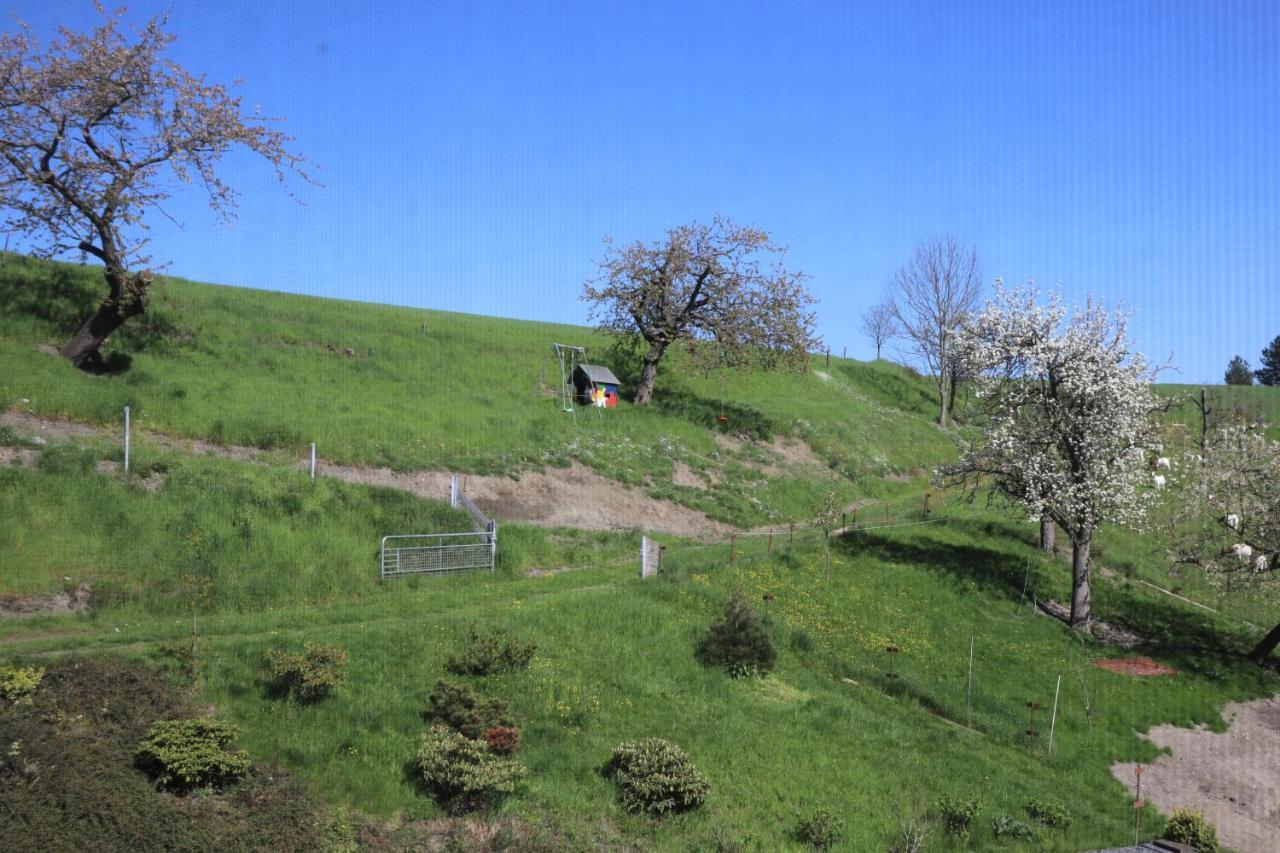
{"x":565,"y":497}
{"x":14,"y":606}
{"x":687,"y":477}
{"x":1233,"y":777}
{"x":1139,"y":667}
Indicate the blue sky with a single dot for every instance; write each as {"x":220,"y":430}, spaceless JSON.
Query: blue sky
{"x":473,"y":155}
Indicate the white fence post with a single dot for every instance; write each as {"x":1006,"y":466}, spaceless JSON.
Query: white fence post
{"x":453,"y":491}
{"x":313,"y":460}
{"x":650,"y":556}
{"x":1054,"y":719}
{"x":126,"y":439}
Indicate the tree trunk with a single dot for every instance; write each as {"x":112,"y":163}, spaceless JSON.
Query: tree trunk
{"x":1047,"y":533}
{"x":1264,"y":649}
{"x":942,"y":399}
{"x":1080,"y":613}
{"x":126,"y":297}
{"x":649,"y":374}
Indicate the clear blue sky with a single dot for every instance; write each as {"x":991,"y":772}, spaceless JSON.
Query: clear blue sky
{"x":474,"y":154}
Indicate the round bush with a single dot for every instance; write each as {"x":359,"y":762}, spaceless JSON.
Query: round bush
{"x":185,"y":754}
{"x":656,"y":777}
{"x":309,"y":676}
{"x":1190,"y":827}
{"x":822,"y":830}
{"x":462,"y":773}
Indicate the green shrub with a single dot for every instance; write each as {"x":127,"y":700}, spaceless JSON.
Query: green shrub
{"x":1049,"y":813}
{"x":456,"y":706}
{"x":738,"y":641}
{"x":67,"y":459}
{"x":309,"y":676}
{"x":462,"y":773}
{"x":821,"y":830}
{"x":656,"y":777}
{"x":19,"y":683}
{"x":1190,"y":827}
{"x":185,"y":754}
{"x":1011,"y":828}
{"x":497,"y":650}
{"x":957,"y":815}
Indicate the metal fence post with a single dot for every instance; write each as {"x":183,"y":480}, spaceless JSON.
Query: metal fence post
{"x":313,"y":460}
{"x":126,"y":439}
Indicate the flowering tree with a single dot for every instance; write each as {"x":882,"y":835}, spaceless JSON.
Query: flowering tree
{"x":1225,"y":512}
{"x":1067,"y":426}
{"x":720,"y":288}
{"x":87,"y":128}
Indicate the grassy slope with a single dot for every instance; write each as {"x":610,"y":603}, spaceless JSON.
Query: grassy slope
{"x":277,"y":559}
{"x":252,"y":367}
{"x":615,"y":659}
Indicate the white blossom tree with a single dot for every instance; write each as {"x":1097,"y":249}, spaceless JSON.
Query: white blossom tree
{"x":1066,"y":418}
{"x":1225,"y":513}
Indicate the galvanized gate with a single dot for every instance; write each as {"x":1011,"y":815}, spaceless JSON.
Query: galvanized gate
{"x":443,"y":553}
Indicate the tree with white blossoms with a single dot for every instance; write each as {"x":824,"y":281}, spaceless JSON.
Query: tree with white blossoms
{"x":1224,"y":514}
{"x":1066,"y":418}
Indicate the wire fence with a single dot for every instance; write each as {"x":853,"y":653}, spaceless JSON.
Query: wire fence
{"x":975,"y":688}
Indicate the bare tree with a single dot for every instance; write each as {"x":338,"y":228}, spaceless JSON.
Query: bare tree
{"x":931,"y":294}
{"x":720,"y":288}
{"x":879,"y":324}
{"x":86,"y":129}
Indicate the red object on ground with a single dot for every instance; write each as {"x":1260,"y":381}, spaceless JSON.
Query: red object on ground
{"x":1139,"y":666}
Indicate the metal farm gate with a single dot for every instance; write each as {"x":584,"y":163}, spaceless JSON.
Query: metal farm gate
{"x":443,"y":553}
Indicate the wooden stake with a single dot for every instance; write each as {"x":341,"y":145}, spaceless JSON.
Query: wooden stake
{"x":1053,"y":720}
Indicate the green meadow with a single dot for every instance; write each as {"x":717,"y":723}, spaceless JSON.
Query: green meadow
{"x":199,"y":565}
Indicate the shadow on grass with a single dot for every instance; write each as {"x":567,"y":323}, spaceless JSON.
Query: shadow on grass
{"x":739,"y":419}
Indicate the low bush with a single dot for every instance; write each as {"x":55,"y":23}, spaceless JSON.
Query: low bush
{"x":459,"y":708}
{"x":1190,"y":827}
{"x":181,"y":755}
{"x":1012,"y":829}
{"x":821,"y":830}
{"x":494,"y":651}
{"x":957,"y":815}
{"x":462,"y":773}
{"x":503,"y":740}
{"x":656,"y":777}
{"x":19,"y":683}
{"x":1048,"y":813}
{"x":67,"y":459}
{"x":309,"y":676}
{"x":738,"y":641}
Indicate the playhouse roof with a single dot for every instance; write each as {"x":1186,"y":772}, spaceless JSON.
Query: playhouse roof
{"x":598,"y":374}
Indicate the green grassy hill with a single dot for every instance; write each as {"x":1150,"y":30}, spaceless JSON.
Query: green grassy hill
{"x":429,"y":389}
{"x":263,"y":557}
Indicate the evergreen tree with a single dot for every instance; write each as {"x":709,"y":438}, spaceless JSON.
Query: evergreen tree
{"x":738,"y":640}
{"x":1269,"y":373}
{"x":1238,"y":372}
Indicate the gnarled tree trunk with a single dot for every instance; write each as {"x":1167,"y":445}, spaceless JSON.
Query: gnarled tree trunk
{"x":126,"y":297}
{"x":1080,"y":601}
{"x":649,"y":374}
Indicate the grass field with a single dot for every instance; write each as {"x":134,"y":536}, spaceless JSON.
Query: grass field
{"x":427,"y":389}
{"x":615,"y":655}
{"x":264,"y":557}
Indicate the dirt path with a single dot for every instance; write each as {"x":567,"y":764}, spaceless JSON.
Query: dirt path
{"x":1233,"y":777}
{"x":565,"y":497}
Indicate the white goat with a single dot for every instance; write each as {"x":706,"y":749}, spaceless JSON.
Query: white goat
{"x":1162,"y":464}
{"x":1260,"y":563}
{"x":1242,"y":551}
{"x":1158,"y":479}
{"x":1233,"y":521}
